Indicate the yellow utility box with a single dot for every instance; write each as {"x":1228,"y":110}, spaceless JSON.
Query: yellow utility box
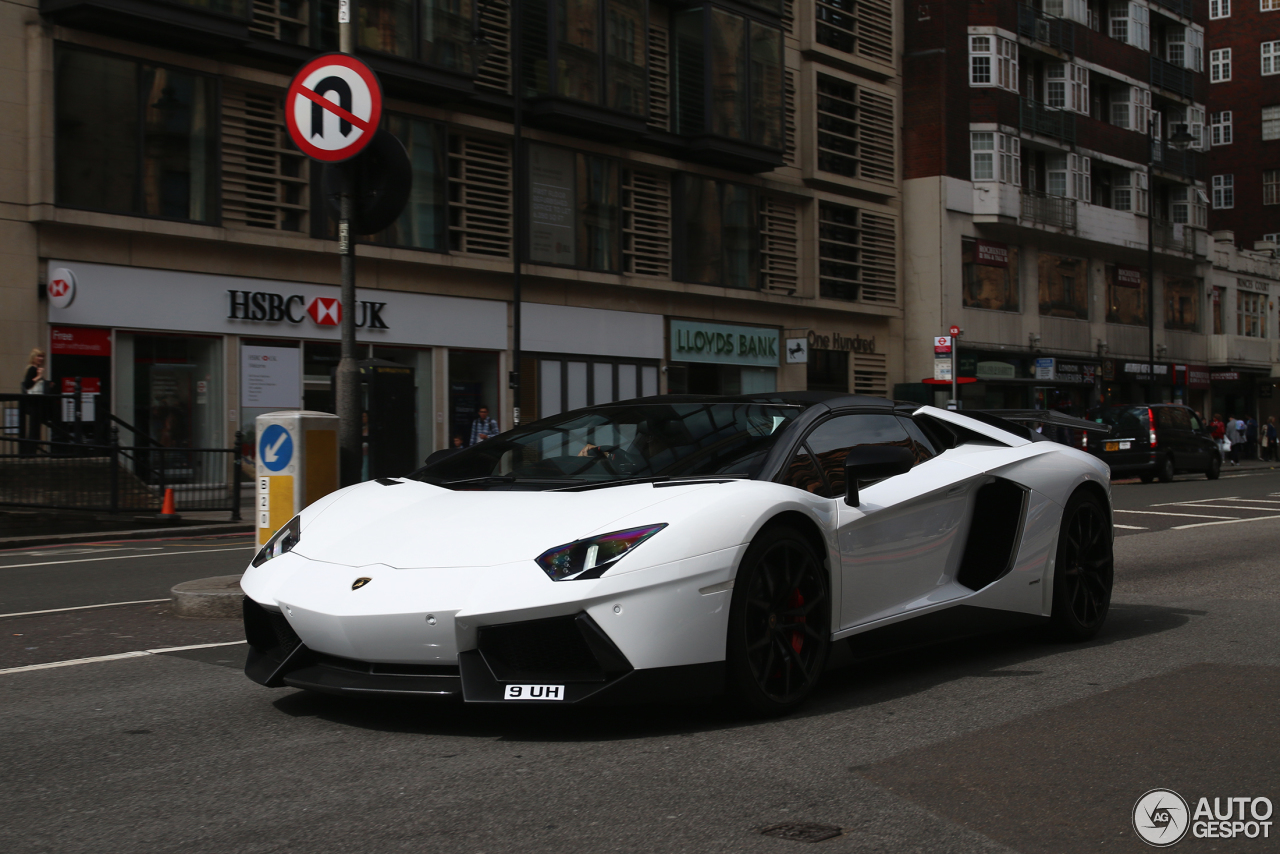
{"x":297,"y":463}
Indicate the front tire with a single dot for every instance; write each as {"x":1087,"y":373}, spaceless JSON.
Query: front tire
{"x":1166,"y":469}
{"x":779,"y":623}
{"x":1215,"y":467}
{"x":1084,"y":570}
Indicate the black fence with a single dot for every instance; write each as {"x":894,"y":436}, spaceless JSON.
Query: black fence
{"x":82,"y":466}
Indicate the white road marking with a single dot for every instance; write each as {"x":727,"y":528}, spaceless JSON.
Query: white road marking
{"x":1193,"y":502}
{"x":118,"y":656}
{"x":83,"y":607}
{"x":1159,"y":513}
{"x":1229,"y":522}
{"x":1233,"y":507}
{"x":1130,"y":527}
{"x":122,"y":557}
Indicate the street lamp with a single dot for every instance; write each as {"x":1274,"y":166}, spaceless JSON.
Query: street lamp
{"x":1181,"y":141}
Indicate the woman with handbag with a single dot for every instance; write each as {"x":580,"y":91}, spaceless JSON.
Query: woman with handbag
{"x":33,"y":381}
{"x":31,"y":412}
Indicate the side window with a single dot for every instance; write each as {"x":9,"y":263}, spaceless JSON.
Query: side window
{"x":1181,"y":419}
{"x":831,"y":440}
{"x":920,"y":444}
{"x":1195,"y":424}
{"x":802,"y":473}
{"x":1165,"y":418}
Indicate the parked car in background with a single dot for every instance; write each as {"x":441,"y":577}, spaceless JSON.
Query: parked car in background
{"x":1154,"y":441}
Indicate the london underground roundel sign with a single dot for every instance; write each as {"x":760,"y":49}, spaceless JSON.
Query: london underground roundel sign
{"x":333,"y":107}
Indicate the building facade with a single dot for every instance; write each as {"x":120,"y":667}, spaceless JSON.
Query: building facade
{"x":710,"y":191}
{"x":1038,"y":175}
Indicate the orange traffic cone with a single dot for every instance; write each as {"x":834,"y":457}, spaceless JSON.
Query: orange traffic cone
{"x":167,"y":512}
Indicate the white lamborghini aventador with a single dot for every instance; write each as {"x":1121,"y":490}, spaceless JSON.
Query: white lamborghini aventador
{"x":681,"y":546}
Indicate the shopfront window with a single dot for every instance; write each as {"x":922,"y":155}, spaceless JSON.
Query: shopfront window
{"x":990,"y":273}
{"x":133,"y":138}
{"x":1064,"y":287}
{"x":436,"y":32}
{"x":1182,"y":301}
{"x":423,"y":222}
{"x":473,"y":385}
{"x":562,"y":384}
{"x":574,"y":212}
{"x":729,"y":77}
{"x":718,"y":232}
{"x":1126,"y":295}
{"x":169,"y":389}
{"x":1251,"y":314}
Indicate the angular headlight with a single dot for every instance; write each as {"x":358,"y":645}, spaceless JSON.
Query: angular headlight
{"x":590,"y":558}
{"x":283,"y":541}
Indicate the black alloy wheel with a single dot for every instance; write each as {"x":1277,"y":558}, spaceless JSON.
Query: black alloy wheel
{"x":1166,"y":469}
{"x":1084,"y":569}
{"x":1215,"y":467}
{"x":779,"y":623}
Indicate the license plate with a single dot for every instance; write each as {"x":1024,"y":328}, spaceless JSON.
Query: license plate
{"x":534,"y":692}
{"x":1124,"y":446}
{"x":1112,"y":446}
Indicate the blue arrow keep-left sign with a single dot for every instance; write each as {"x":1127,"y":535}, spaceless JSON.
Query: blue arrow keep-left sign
{"x":275,"y":447}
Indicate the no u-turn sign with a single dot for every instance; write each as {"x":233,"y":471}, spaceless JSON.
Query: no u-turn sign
{"x":333,"y":107}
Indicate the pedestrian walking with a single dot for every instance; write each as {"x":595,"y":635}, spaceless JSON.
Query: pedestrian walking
{"x":483,"y":427}
{"x":1235,"y":436}
{"x":33,"y":381}
{"x":1251,"y":439}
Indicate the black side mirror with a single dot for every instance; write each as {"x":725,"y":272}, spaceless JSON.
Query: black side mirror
{"x":873,"y":462}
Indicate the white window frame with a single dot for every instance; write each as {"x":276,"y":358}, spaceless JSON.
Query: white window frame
{"x":1224,"y":192}
{"x":1130,"y":185}
{"x":1057,"y":174}
{"x":981,"y":55}
{"x":1269,"y":5}
{"x":1195,"y":49}
{"x":998,"y":159}
{"x":1186,"y":207}
{"x":1273,"y":237}
{"x":1072,"y":10}
{"x":1251,"y":313}
{"x":993,"y":62}
{"x":1010,"y":159}
{"x":1135,"y":109}
{"x":1220,"y":127}
{"x":1219,"y":9}
{"x":1130,"y":23}
{"x":1271,"y":188}
{"x":1081,"y":177}
{"x":1270,"y":58}
{"x":1271,"y":122}
{"x":1220,"y":65}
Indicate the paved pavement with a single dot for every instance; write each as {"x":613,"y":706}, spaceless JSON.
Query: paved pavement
{"x":998,"y":744}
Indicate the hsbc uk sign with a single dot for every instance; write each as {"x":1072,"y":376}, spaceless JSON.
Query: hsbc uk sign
{"x":267,"y":307}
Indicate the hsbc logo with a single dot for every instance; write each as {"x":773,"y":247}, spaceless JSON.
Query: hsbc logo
{"x":62,"y":288}
{"x":266,"y":307}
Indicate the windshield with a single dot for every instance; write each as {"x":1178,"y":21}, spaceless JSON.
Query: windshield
{"x":622,"y":443}
{"x":1124,"y":419}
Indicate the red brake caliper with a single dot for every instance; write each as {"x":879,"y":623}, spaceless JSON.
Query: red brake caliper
{"x":797,"y":637}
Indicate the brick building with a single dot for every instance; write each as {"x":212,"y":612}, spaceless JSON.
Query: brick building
{"x":1027,"y":204}
{"x":696,"y":172}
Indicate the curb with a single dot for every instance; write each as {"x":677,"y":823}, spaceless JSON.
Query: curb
{"x":168,"y":533}
{"x":219,"y":597}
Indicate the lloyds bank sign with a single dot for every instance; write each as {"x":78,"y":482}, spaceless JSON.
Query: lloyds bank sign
{"x":724,"y":344}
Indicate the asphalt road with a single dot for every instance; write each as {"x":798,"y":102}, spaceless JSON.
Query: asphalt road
{"x":1004,"y":743}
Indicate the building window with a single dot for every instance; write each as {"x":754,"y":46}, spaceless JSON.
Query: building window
{"x":424,"y":221}
{"x":1193,"y":118}
{"x":993,"y":61}
{"x":1130,"y":23}
{"x":1064,"y":287}
{"x":1220,"y":65}
{"x":587,"y":50}
{"x":984,"y":156}
{"x":1273,"y":237}
{"x":1270,"y":5}
{"x":1224,"y":192}
{"x":990,"y":272}
{"x":1130,"y":107}
{"x":856,"y":254}
{"x":1129,"y":190}
{"x":1220,"y":127}
{"x":996,"y":157}
{"x":1181,"y":304}
{"x":436,"y":32}
{"x":864,"y":27}
{"x":854,"y":130}
{"x":718,"y":232}
{"x":1220,"y":8}
{"x":1271,"y":123}
{"x":1271,"y":187}
{"x":1187,"y":206}
{"x":1251,"y":314}
{"x":1126,"y":295}
{"x":574,"y":217}
{"x":742,"y":97}
{"x":133,"y":138}
{"x":1270,"y":58}
{"x":1184,"y":47}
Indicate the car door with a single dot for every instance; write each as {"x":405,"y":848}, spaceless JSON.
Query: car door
{"x":901,"y":547}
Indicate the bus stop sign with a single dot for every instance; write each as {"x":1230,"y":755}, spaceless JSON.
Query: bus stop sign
{"x":333,"y":107}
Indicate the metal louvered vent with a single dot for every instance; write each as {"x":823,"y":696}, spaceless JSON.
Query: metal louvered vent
{"x":876,"y":136}
{"x":879,"y":258}
{"x":495,"y":25}
{"x":779,"y":245}
{"x":646,"y":223}
{"x":282,"y":20}
{"x":480,"y":195}
{"x":861,"y":28}
{"x":871,"y":374}
{"x":790,"y":151}
{"x":875,"y":29}
{"x":857,"y":254}
{"x":264,"y":178}
{"x":659,"y":72}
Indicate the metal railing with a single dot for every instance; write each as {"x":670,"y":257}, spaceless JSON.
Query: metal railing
{"x":1178,"y":7}
{"x":117,"y":479}
{"x":1171,"y":235}
{"x":1046,"y":29}
{"x":1043,"y":209}
{"x":1170,"y":159}
{"x":1037,"y":118}
{"x":1168,"y":76}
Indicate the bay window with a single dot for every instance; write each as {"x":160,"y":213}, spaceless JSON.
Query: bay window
{"x":1129,"y":190}
{"x":717,"y":232}
{"x":996,"y":157}
{"x":1131,"y":24}
{"x":591,"y":51}
{"x":1187,"y":207}
{"x":993,"y":61}
{"x":436,"y":32}
{"x":1130,"y":107}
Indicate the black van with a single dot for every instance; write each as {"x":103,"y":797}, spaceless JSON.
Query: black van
{"x":1154,"y":441}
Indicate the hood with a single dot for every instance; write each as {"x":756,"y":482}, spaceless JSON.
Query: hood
{"x":420,"y":526}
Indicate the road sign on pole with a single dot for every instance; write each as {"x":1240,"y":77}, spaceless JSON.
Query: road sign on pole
{"x":333,"y":107}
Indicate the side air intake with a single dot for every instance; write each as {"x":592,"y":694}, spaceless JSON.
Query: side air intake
{"x":998,"y":512}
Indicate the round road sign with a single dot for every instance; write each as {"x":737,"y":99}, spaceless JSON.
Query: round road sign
{"x":333,"y":107}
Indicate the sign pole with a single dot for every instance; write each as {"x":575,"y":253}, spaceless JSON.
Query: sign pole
{"x":348,"y":377}
{"x":956,"y":332}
